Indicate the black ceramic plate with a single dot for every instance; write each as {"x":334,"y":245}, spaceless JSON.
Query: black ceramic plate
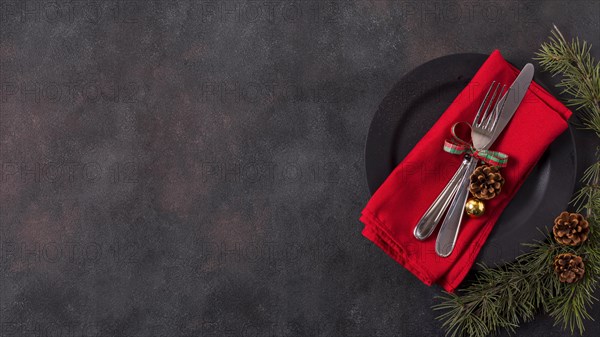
{"x":414,"y":105}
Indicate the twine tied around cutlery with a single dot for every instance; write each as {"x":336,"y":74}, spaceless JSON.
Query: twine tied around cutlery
{"x":457,"y":145}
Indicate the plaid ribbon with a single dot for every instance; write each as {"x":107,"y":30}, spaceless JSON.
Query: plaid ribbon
{"x":456,"y":145}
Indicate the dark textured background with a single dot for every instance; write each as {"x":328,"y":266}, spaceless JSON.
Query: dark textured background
{"x":195,"y":168}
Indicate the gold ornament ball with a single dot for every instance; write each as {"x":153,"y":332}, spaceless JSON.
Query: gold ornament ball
{"x":474,"y":207}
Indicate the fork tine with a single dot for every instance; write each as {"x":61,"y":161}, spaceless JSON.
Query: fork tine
{"x":493,"y":108}
{"x":485,"y":118}
{"x":483,"y":103}
{"x":499,"y":106}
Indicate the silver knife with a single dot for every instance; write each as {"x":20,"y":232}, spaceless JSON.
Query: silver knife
{"x":450,"y":227}
{"x":436,"y":211}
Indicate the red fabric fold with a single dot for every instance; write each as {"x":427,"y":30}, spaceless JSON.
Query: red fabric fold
{"x":395,"y":208}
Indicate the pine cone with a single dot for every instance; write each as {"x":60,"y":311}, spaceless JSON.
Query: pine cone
{"x":570,"y":229}
{"x":569,"y":267}
{"x":486,"y":182}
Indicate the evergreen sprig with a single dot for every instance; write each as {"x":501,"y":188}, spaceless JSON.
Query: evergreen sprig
{"x":504,"y":297}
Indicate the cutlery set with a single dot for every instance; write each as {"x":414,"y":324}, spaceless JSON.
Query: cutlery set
{"x":495,"y":112}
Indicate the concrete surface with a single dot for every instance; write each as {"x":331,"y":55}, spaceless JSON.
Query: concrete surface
{"x":195,"y":168}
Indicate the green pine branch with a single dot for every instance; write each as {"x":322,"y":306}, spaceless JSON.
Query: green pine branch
{"x":580,"y":75}
{"x":504,"y":297}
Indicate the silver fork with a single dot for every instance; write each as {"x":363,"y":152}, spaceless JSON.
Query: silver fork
{"x":434,"y":213}
{"x":482,"y":132}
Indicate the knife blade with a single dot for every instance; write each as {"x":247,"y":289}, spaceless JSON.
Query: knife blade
{"x":512,"y":99}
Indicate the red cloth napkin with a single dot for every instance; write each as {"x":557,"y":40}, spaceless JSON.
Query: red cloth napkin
{"x":393,"y":211}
